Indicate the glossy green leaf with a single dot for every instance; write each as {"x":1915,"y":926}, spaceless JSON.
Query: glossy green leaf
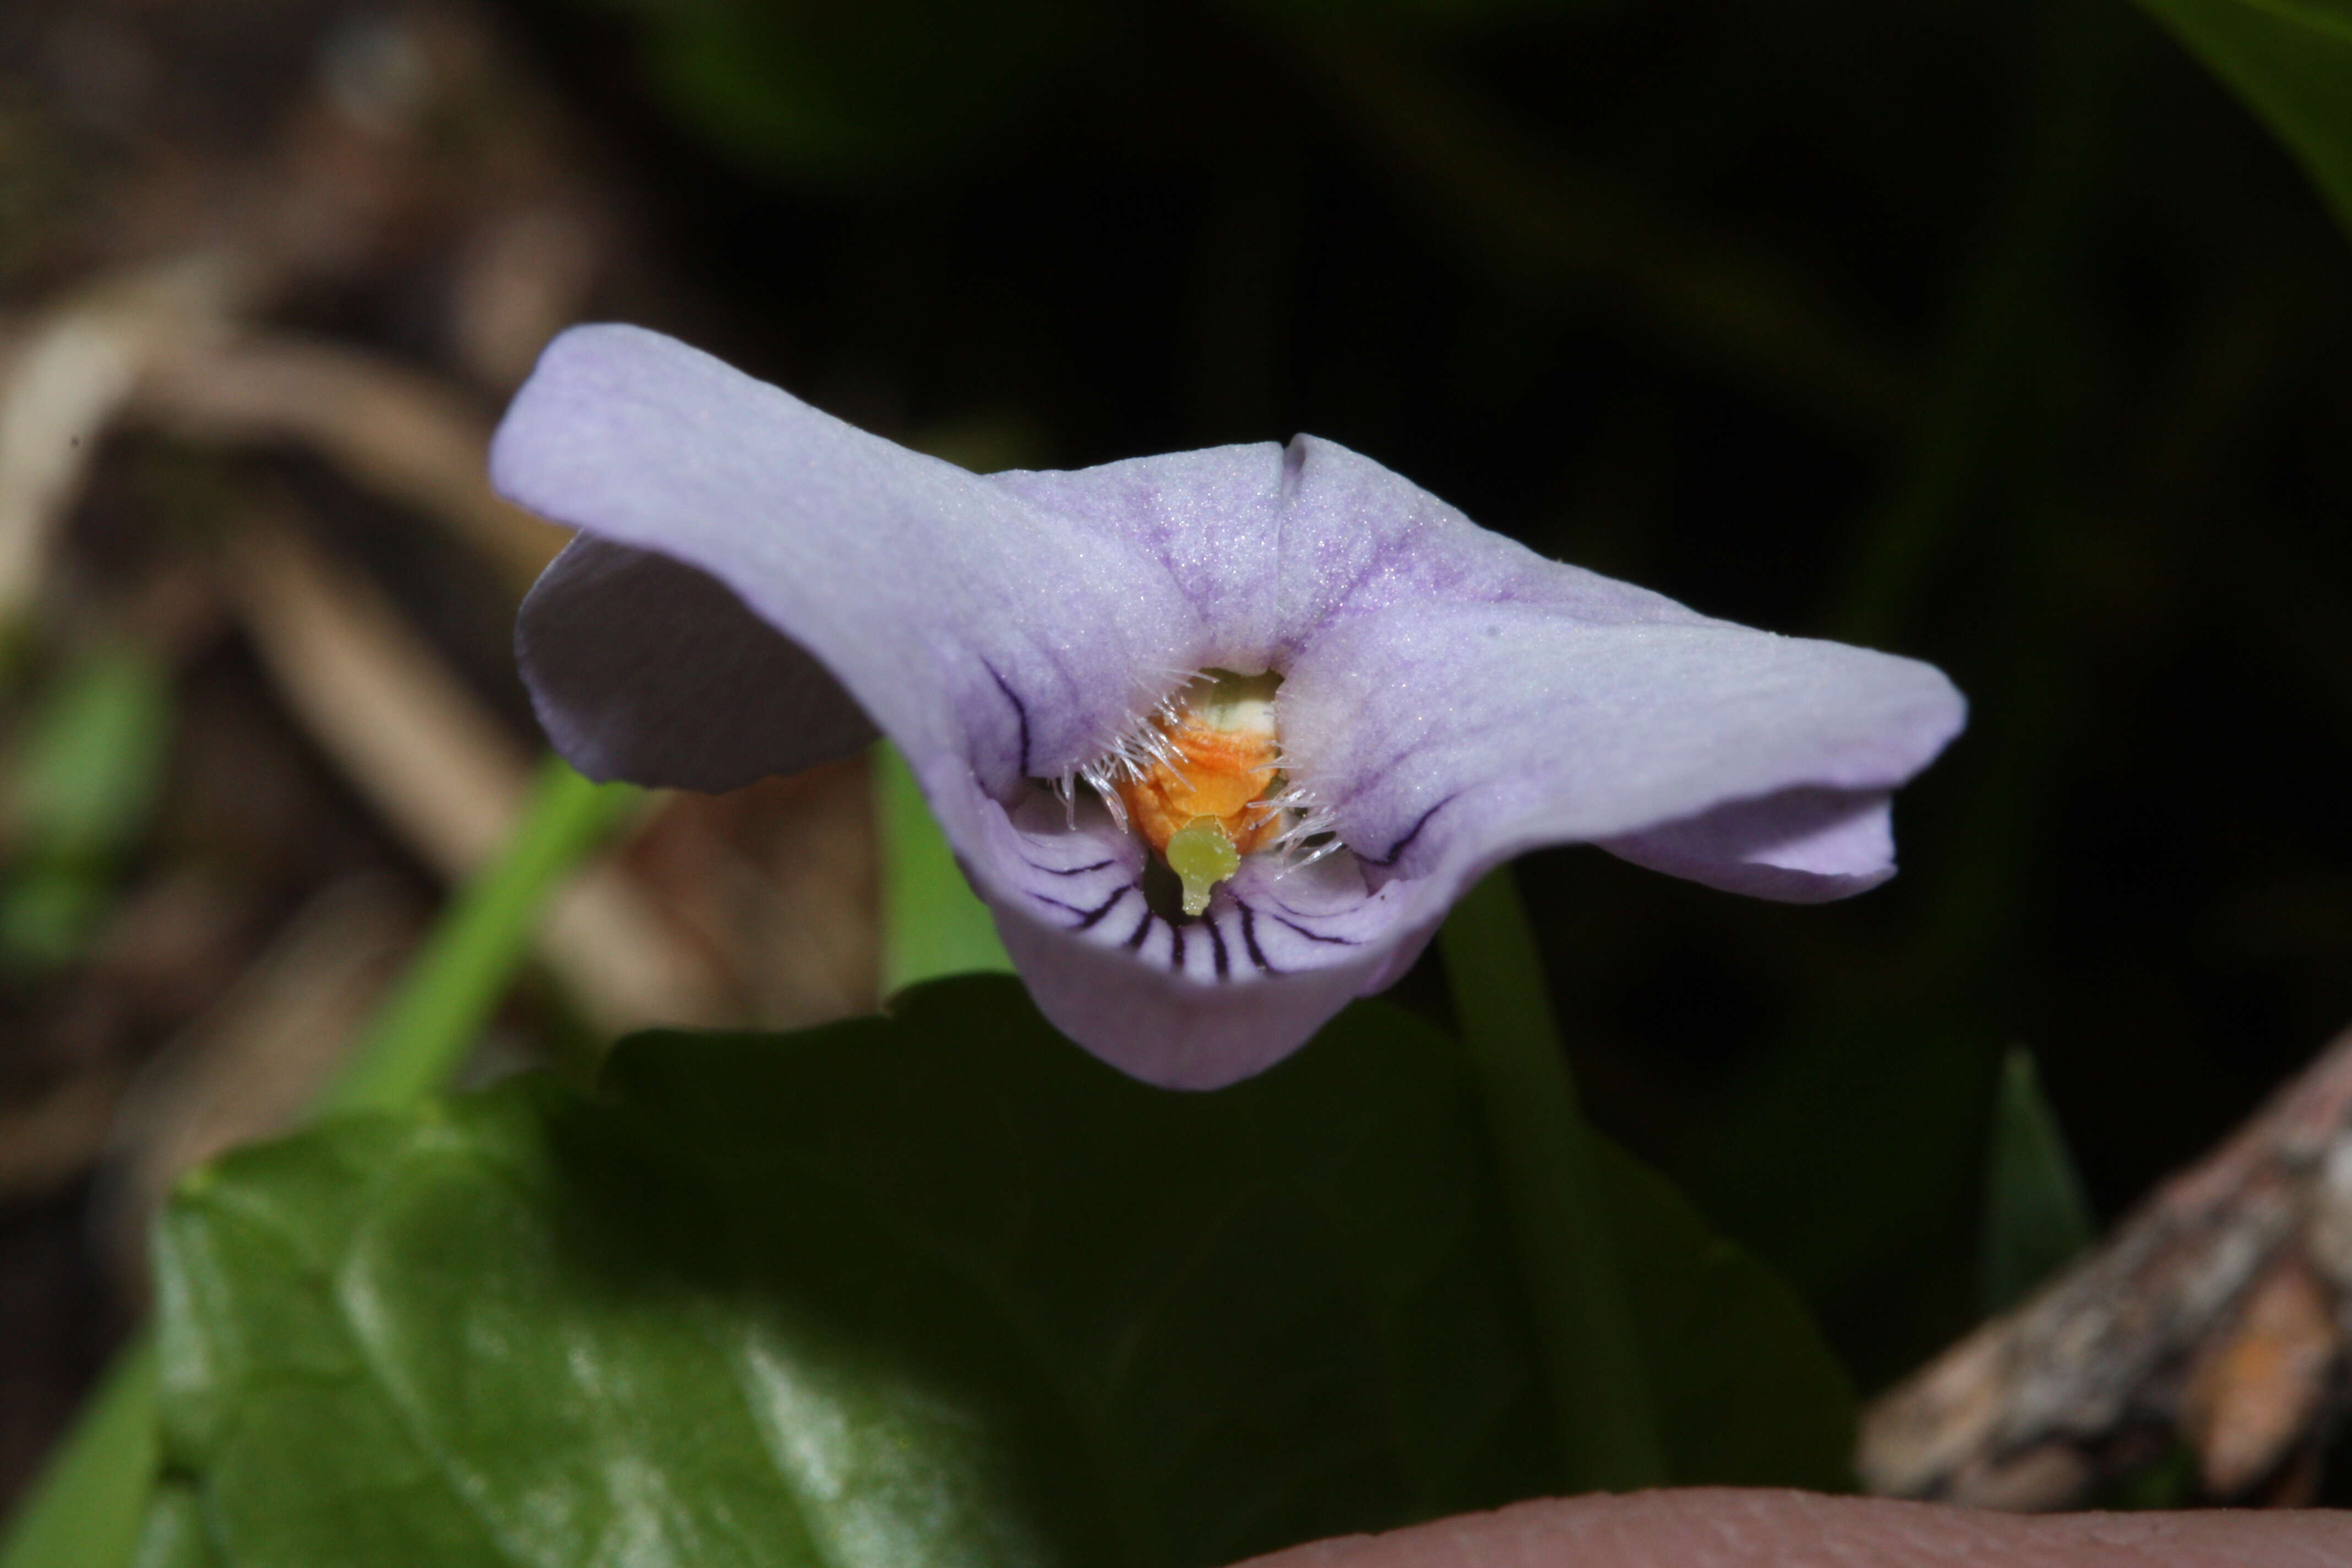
{"x":172,"y":1534}
{"x":2291,"y":60}
{"x":936,"y":1288}
{"x":2036,"y":1215}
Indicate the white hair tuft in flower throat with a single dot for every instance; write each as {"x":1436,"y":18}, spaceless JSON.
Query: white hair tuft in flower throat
{"x":1200,"y":781}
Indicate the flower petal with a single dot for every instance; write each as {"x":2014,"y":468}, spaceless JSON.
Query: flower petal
{"x":1212,"y":518}
{"x":1275,"y":545}
{"x":1451,"y":697}
{"x":1196,"y":1003}
{"x":1802,"y":845}
{"x":1457,"y":698}
{"x":962,"y":619}
{"x":1449,"y":736}
{"x":630,"y":655}
{"x":1358,"y":538}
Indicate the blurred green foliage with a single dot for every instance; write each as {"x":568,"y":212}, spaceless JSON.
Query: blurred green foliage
{"x":829,"y":91}
{"x":172,"y":1532}
{"x":2036,"y":1217}
{"x":83,"y":778}
{"x":831,"y":94}
{"x":2291,"y":60}
{"x":434,"y":1017}
{"x":85,"y":1510}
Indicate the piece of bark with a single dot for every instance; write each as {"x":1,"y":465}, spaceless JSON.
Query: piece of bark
{"x":1722,"y":1527}
{"x":2216,"y":1314}
{"x":2260,"y":1390}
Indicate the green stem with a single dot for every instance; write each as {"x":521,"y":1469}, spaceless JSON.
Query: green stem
{"x":86,"y":1509}
{"x":422,"y":1034}
{"x":1608,"y":1432}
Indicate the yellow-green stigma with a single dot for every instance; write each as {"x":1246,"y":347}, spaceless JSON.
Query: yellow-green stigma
{"x":1202,"y":854}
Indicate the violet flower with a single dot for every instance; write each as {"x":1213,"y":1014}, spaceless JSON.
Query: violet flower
{"x":757,"y":587}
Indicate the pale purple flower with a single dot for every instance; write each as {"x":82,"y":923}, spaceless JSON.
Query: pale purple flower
{"x":758,"y":587}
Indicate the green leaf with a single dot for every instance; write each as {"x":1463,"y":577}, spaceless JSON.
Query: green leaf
{"x":933,"y":924}
{"x":2036,"y":1215}
{"x":1902,"y":1097}
{"x":1747,"y":1391}
{"x":933,"y":1289}
{"x":172,"y":1534}
{"x":2291,"y":60}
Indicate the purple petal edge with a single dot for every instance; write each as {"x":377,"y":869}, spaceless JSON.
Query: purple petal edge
{"x":1800,"y":847}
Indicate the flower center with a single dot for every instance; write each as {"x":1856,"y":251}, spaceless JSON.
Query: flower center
{"x":1198,"y":797}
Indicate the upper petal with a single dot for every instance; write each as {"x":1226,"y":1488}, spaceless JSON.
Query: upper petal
{"x":962,"y":618}
{"x":1358,"y":538}
{"x":1213,"y":520}
{"x":1273,"y":546}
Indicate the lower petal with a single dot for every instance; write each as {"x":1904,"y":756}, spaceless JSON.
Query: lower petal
{"x":629,"y":655}
{"x":1182,"y":1004}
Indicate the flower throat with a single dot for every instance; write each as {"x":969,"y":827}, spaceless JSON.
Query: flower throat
{"x":1201,"y":791}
